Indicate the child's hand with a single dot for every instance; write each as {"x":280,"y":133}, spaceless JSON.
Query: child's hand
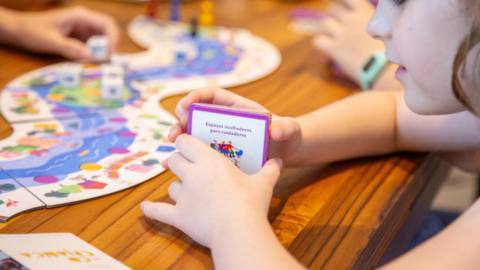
{"x":213,"y":194}
{"x":285,"y":132}
{"x":63,"y":31}
{"x":344,"y":37}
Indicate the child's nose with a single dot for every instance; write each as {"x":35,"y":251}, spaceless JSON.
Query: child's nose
{"x":378,"y":27}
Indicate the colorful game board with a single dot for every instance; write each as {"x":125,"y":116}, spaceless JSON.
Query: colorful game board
{"x":69,"y":144}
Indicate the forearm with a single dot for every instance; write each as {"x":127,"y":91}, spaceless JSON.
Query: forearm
{"x":9,"y":26}
{"x":457,"y":247}
{"x":360,"y":125}
{"x":250,"y":243}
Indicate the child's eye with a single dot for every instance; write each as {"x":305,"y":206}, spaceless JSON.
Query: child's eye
{"x":399,"y":2}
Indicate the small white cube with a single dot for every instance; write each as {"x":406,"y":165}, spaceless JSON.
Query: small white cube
{"x":98,"y":46}
{"x":112,"y":87}
{"x":69,"y":75}
{"x":120,"y":60}
{"x":112,"y":71}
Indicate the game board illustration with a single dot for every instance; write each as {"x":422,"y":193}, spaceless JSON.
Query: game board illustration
{"x":70,"y":143}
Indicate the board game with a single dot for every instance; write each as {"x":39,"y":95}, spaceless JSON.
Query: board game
{"x":70,"y":144}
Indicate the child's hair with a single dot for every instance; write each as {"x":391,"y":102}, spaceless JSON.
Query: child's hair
{"x":472,"y":101}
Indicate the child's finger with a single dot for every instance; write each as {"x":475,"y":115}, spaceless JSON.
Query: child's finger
{"x":179,"y":165}
{"x":284,"y":128}
{"x":163,"y":212}
{"x":98,"y":22}
{"x":174,"y":190}
{"x":174,"y":132}
{"x":206,"y":95}
{"x":191,"y":148}
{"x":330,"y":26}
{"x":270,"y":172}
{"x":69,"y":47}
{"x":165,"y":164}
{"x":324,"y":43}
{"x":338,"y":11}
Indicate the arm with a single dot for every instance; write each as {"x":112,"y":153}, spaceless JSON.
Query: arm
{"x":360,"y":125}
{"x":456,"y":247}
{"x":8,"y":27}
{"x":369,"y":123}
{"x":380,"y":122}
{"x":251,"y":244}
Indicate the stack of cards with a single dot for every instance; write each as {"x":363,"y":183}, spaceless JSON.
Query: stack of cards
{"x":52,"y":251}
{"x":240,"y":135}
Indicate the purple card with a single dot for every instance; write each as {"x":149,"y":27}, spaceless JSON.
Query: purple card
{"x":240,"y":135}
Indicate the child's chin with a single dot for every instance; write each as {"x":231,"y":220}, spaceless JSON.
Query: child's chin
{"x":418,"y":104}
{"x":428,"y":106}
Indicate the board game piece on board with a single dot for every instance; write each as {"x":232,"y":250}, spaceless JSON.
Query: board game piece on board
{"x":112,"y":81}
{"x":120,"y":60}
{"x":240,"y":135}
{"x":194,"y":27}
{"x":152,"y":9}
{"x":112,"y":71}
{"x":70,"y":75}
{"x":175,"y":10}
{"x":180,"y":57}
{"x":42,"y":251}
{"x":99,"y":47}
{"x":112,"y":87}
{"x":206,"y":18}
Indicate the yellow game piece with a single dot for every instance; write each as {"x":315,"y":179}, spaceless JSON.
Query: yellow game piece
{"x":206,"y":18}
{"x":206,"y":6}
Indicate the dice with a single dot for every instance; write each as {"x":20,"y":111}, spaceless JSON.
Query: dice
{"x":112,"y":81}
{"x":99,"y":48}
{"x":70,"y":75}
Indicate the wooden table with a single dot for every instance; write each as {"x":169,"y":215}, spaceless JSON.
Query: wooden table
{"x":345,"y":215}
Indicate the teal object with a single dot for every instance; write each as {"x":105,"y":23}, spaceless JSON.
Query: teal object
{"x":372,"y":69}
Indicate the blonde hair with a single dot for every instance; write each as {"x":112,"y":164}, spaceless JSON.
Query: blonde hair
{"x":472,"y":101}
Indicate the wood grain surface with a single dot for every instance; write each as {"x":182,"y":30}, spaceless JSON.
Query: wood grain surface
{"x":340,"y":216}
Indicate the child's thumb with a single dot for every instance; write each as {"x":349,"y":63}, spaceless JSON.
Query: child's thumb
{"x":270,"y":172}
{"x":70,"y":48}
{"x":284,"y":128}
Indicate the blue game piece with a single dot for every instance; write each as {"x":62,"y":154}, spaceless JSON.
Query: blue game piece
{"x":180,"y":57}
{"x":165,"y":148}
{"x":175,"y":10}
{"x":194,"y":27}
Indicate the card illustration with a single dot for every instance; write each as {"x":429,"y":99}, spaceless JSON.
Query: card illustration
{"x":228,"y":150}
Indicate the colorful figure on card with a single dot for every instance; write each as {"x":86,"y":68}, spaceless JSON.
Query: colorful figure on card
{"x":228,"y":150}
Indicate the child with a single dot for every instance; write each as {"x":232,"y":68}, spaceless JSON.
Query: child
{"x":435,"y":44}
{"x":61,"y":31}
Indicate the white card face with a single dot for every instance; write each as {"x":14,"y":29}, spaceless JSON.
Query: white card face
{"x":240,"y":136}
{"x":54,"y":251}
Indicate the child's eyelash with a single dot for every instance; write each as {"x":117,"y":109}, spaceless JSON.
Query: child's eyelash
{"x":399,"y":2}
